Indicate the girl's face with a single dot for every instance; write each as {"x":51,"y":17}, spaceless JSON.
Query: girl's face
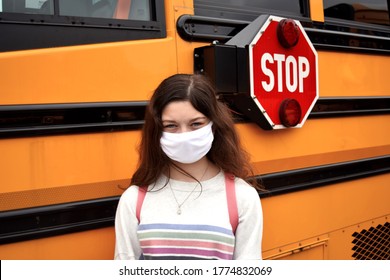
{"x":181,"y":116}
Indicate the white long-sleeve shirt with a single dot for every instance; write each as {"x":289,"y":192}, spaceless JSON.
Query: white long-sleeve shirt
{"x":201,"y":231}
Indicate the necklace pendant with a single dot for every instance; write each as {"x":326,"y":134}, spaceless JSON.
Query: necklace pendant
{"x":178,"y":211}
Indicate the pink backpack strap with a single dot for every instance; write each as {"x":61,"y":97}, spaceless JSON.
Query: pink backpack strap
{"x":140,"y":200}
{"x":231,"y":201}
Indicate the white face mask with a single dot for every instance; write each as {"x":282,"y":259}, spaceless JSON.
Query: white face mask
{"x":188,"y":147}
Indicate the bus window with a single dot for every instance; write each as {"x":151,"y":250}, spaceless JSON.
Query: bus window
{"x":115,"y":9}
{"x":27,"y":6}
{"x":55,"y":23}
{"x":249,"y":9}
{"x":365,"y":11}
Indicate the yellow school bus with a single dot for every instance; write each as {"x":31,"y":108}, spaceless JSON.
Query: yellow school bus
{"x":76,"y":76}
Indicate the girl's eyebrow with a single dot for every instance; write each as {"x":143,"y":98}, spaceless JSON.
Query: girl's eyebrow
{"x":167,"y":121}
{"x":192,"y":120}
{"x":198,"y":119}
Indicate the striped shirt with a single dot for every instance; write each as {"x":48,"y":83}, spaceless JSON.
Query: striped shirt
{"x":201,"y":231}
{"x":184,"y":241}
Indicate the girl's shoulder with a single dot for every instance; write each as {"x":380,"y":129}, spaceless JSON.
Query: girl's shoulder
{"x":245,"y":191}
{"x":130,"y":194}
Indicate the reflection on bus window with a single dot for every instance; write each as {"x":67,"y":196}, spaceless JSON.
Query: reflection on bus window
{"x":27,"y":6}
{"x":119,"y":9}
{"x":116,"y":9}
{"x":367,"y":11}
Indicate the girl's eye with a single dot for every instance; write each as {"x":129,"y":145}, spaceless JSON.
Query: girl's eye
{"x":197,"y":124}
{"x":169,"y":127}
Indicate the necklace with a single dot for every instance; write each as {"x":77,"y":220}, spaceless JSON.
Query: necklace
{"x":179,"y":205}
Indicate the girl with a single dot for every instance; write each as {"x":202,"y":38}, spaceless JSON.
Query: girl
{"x":187,"y":199}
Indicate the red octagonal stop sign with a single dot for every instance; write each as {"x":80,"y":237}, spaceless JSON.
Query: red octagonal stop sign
{"x":283,"y":79}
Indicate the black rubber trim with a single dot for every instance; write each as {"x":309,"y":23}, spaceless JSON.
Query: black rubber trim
{"x":192,"y":28}
{"x":346,"y":106}
{"x":53,"y":119}
{"x":336,"y":107}
{"x":40,"y":222}
{"x":306,"y":178}
{"x":72,"y":118}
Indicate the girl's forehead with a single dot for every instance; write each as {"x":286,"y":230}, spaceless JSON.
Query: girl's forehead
{"x":180,"y":110}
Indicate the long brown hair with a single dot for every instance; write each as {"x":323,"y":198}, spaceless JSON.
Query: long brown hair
{"x":226,"y":151}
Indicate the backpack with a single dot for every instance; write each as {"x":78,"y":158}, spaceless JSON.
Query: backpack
{"x":230,"y":196}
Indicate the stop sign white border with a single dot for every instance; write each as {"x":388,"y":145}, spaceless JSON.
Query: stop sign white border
{"x":251,"y":77}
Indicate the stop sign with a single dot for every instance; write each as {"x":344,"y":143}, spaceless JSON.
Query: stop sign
{"x":283,"y":72}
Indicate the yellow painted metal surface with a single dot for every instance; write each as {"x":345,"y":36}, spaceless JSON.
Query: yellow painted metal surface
{"x":298,"y":216}
{"x":319,"y":142}
{"x":317,"y":10}
{"x":99,"y":73}
{"x":315,"y":248}
{"x":88,"y":245}
{"x":56,"y":161}
{"x":349,"y":74}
